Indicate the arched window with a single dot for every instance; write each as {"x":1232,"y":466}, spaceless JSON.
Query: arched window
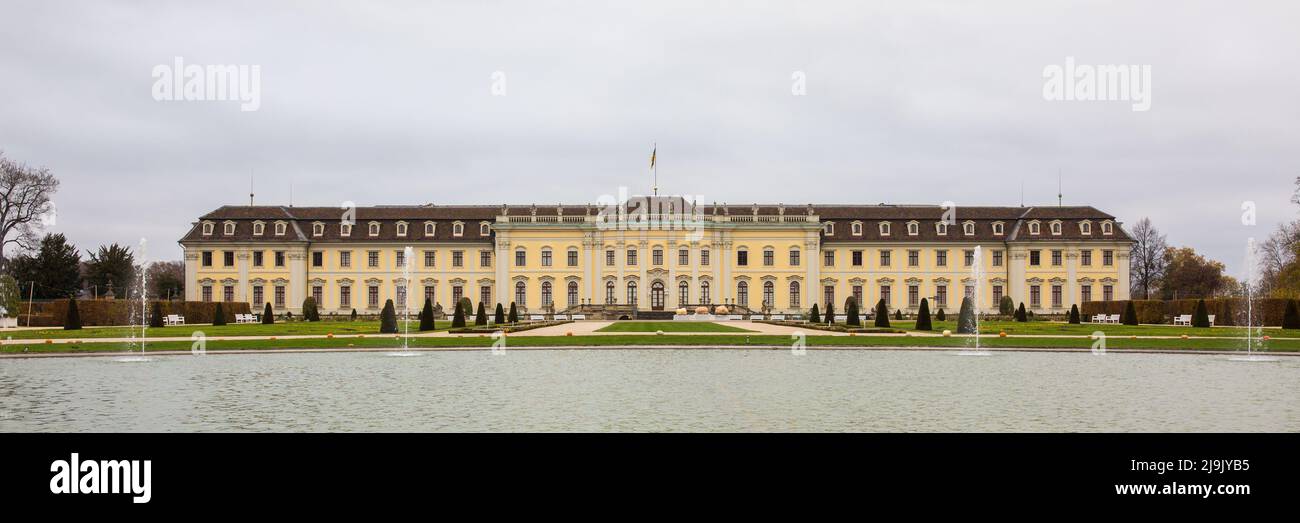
{"x":609,"y":293}
{"x":1085,"y":227}
{"x":374,"y":228}
{"x":968,"y":228}
{"x":1056,"y":228}
{"x":546,"y":293}
{"x":794,"y":294}
{"x":401,"y":228}
{"x":884,"y":228}
{"x":631,"y":293}
{"x":573,"y":293}
{"x":1033,"y":227}
{"x":742,"y":293}
{"x":683,"y":293}
{"x":769,"y":294}
{"x":704,"y":293}
{"x":997,"y":228}
{"x":207,"y":228}
{"x":1106,"y":228}
{"x":521,"y":293}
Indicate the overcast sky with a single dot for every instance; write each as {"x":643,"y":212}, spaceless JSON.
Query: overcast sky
{"x":393,"y":103}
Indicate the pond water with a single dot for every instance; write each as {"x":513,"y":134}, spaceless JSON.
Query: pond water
{"x":652,"y":390}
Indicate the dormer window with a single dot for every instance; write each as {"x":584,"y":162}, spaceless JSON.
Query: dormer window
{"x":1056,"y":228}
{"x":280,"y":228}
{"x":856,"y":228}
{"x":317,"y":229}
{"x":345,"y":229}
{"x":1085,"y":227}
{"x":941,"y":228}
{"x":998,"y":228}
{"x":913,"y":228}
{"x":374,"y":228}
{"x":401,"y":228}
{"x":207,"y":228}
{"x":228,"y":228}
{"x":884,"y":228}
{"x":1033,"y":227}
{"x":484,"y":229}
{"x":458,"y":229}
{"x":828,"y":229}
{"x":968,"y":228}
{"x":429,"y":228}
{"x":1107,"y":228}
{"x":258,"y":228}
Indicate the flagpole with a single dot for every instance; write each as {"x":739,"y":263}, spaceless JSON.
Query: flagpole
{"x":654,"y":167}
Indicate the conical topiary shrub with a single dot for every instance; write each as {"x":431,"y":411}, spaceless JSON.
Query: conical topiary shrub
{"x":1074,"y":314}
{"x":480,"y":318}
{"x":940,"y":315}
{"x":309,"y":309}
{"x":1200,"y":318}
{"x":1020,"y":313}
{"x":1130,"y":316}
{"x":268,"y":316}
{"x":966,"y":317}
{"x":852,"y":317}
{"x":458,"y":319}
{"x":814,"y":316}
{"x":514,"y":314}
{"x":882,"y":314}
{"x":218,"y":316}
{"x":352,"y":316}
{"x":72,"y":321}
{"x":426,"y":316}
{"x":830,"y":313}
{"x":898,"y":314}
{"x":923,"y":316}
{"x":156,"y":316}
{"x":388,"y":319}
{"x":1291,"y":316}
{"x":500,"y":316}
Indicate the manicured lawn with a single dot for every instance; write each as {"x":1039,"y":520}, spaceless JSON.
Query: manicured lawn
{"x":1085,"y":329}
{"x":702,"y":340}
{"x":243,"y":329}
{"x":669,"y":326}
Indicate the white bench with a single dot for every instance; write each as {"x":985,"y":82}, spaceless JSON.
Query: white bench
{"x":735,"y":317}
{"x":536,"y":317}
{"x":778,"y":317}
{"x":1185,"y":319}
{"x":560,"y":317}
{"x":577,"y":317}
{"x":1211,"y":320}
{"x":174,"y":319}
{"x":246,"y":318}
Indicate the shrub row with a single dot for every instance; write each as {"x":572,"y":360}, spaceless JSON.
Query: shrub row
{"x":122,"y":312}
{"x":510,"y":328}
{"x":1227,"y":311}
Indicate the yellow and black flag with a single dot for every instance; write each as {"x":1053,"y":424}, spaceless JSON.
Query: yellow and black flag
{"x":653,"y":150}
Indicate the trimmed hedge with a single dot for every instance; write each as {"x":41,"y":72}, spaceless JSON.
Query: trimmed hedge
{"x":119,"y":312}
{"x":1227,"y":311}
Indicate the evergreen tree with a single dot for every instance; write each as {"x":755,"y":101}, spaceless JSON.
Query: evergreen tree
{"x":156,"y":315}
{"x":852,"y":316}
{"x":1130,"y":316}
{"x":10,"y":297}
{"x":882,"y":314}
{"x":514,"y":314}
{"x":426,"y":316}
{"x":388,"y":318}
{"x":55,"y":267}
{"x":111,"y":264}
{"x":73,"y":320}
{"x":923,"y":316}
{"x":814,"y":316}
{"x":830,"y":313}
{"x":458,"y":320}
{"x":218,"y":316}
{"x":268,"y":316}
{"x":1006,"y":306}
{"x":1201,"y":318}
{"x":1074,"y":314}
{"x":898,"y":314}
{"x":966,"y":317}
{"x":1020,"y":313}
{"x":940,"y":315}
{"x":480,"y":318}
{"x":309,"y":309}
{"x":1291,"y":317}
{"x":500,"y":316}
{"x":352,"y":316}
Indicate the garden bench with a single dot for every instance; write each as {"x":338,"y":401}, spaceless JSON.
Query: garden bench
{"x":174,"y":319}
{"x":537,"y":317}
{"x":1184,"y":319}
{"x":577,"y":317}
{"x":560,"y":317}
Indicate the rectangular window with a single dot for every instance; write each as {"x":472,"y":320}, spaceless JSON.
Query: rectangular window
{"x":372,"y":297}
{"x":400,"y":293}
{"x":457,"y":258}
{"x":317,"y":259}
{"x":631,"y":257}
{"x":941,"y":296}
{"x":429,"y":293}
{"x":257,"y":258}
{"x":828,"y":294}
{"x":857,"y":258}
{"x":1085,"y":258}
{"x":279,"y":296}
{"x":1108,"y":258}
{"x":485,"y":258}
{"x":572,"y":258}
{"x":207,"y":293}
{"x":485,"y":294}
{"x":546,"y":258}
{"x":1107,"y":292}
{"x":742,"y":258}
{"x":1056,"y":296}
{"x":1056,"y":258}
{"x":207,"y":258}
{"x":997,"y":258}
{"x":318,"y":294}
{"x":704,"y":258}
{"x":430,"y":258}
{"x":968,"y":257}
{"x":372,"y":259}
{"x":1085,"y":293}
{"x":913,"y":295}
{"x":857,"y":295}
{"x":657,"y":257}
{"x":769,"y":258}
{"x":457,"y":292}
{"x":345,"y":296}
{"x":228,"y":258}
{"x":1035,"y":296}
{"x":997,"y":295}
{"x":345,"y":259}
{"x":941,"y":258}
{"x":228,"y":293}
{"x":1034,"y":258}
{"x":521,"y":258}
{"x":884,"y":258}
{"x":609,"y":258}
{"x":794,"y":257}
{"x":683,"y":257}
{"x":885,"y":294}
{"x":258,"y":296}
{"x":828,"y":258}
{"x":913,"y":258}
{"x":279,"y":258}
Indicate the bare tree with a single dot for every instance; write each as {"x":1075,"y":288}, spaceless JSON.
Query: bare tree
{"x":24,"y":199}
{"x":1147,"y":260}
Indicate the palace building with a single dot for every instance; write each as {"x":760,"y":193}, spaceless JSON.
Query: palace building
{"x":567,"y":258}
